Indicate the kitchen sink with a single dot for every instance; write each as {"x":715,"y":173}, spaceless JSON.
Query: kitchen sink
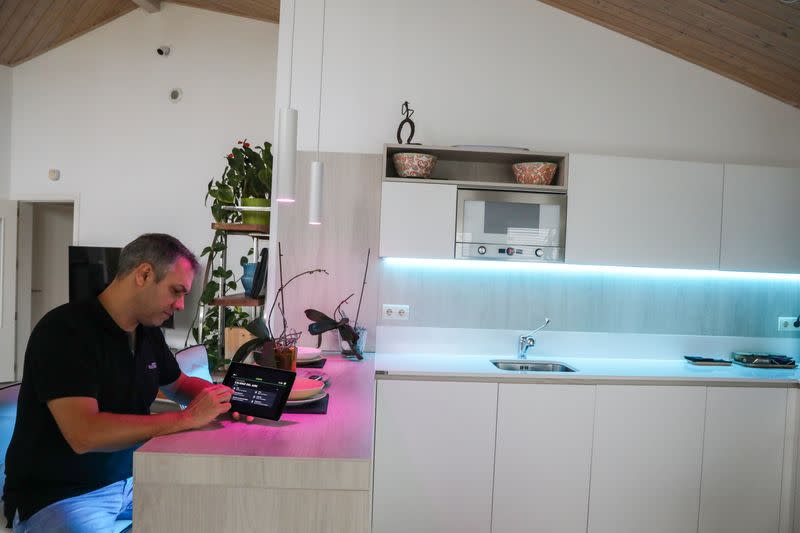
{"x":532,"y":366}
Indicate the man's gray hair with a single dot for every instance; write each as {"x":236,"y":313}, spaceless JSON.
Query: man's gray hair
{"x":160,"y":250}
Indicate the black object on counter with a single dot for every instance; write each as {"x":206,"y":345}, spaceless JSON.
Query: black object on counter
{"x":315,"y":364}
{"x":706,"y":361}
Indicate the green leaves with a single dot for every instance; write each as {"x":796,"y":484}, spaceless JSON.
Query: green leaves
{"x":209,"y":292}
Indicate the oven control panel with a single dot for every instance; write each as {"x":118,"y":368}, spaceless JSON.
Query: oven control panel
{"x":509,"y":253}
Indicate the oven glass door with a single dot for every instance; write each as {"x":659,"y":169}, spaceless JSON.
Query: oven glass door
{"x":511,"y":218}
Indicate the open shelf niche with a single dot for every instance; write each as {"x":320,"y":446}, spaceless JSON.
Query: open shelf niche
{"x":479,"y":167}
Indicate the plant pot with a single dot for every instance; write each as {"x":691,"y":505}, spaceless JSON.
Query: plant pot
{"x":286,"y":358}
{"x":255,"y":217}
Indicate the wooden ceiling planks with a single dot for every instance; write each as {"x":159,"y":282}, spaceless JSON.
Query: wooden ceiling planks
{"x":267,"y":10}
{"x":755,"y":42}
{"x":29,"y":28}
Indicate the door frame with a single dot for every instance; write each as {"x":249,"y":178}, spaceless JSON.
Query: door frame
{"x":23,"y":326}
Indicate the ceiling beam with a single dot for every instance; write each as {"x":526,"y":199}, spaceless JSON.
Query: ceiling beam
{"x":151,"y":6}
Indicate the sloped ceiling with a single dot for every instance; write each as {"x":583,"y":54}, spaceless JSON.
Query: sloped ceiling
{"x":755,"y":42}
{"x":31,"y":27}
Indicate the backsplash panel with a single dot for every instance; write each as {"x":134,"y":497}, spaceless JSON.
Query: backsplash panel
{"x":598,"y":301}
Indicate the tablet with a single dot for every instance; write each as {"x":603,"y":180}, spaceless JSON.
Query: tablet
{"x":258,"y":390}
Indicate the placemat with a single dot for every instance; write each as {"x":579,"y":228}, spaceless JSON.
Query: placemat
{"x":316,"y":408}
{"x":315,"y":364}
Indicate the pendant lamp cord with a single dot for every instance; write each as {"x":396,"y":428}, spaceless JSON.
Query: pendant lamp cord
{"x":321,"y":67}
{"x":291,"y":53}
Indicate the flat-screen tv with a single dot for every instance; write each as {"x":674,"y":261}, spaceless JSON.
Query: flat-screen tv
{"x":91,"y":269}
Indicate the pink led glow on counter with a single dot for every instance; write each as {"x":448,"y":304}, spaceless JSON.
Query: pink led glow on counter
{"x":344,"y":432}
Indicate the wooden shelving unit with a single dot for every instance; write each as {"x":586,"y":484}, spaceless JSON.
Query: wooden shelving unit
{"x":260,"y":235}
{"x":253,"y":230}
{"x":479,"y":167}
{"x":238,"y":299}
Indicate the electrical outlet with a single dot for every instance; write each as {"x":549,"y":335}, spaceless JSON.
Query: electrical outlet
{"x":395,"y":312}
{"x":786,"y":323}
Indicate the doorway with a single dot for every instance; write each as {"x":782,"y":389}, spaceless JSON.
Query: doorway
{"x":45,"y":231}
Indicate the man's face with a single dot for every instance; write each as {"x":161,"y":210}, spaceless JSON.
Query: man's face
{"x":159,"y":299}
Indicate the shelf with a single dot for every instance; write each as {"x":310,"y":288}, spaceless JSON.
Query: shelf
{"x":483,"y":185}
{"x":480,"y":167}
{"x":239,"y":299}
{"x":248,"y":208}
{"x":254,"y":230}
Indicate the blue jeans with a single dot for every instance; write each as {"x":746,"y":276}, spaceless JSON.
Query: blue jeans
{"x":93,"y":512}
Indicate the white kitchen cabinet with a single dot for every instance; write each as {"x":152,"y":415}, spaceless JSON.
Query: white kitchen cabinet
{"x":743,"y":460}
{"x":760,"y":218}
{"x":434,"y":456}
{"x":418,"y":220}
{"x":642,"y":212}
{"x":542,"y":459}
{"x":646,"y":459}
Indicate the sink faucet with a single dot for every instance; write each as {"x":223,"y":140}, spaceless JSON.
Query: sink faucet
{"x":527,"y":341}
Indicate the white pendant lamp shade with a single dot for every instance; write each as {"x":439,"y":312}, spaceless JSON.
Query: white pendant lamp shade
{"x":287,"y":156}
{"x":315,"y":193}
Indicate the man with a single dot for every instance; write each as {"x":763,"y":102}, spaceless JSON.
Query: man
{"x":92,"y":370}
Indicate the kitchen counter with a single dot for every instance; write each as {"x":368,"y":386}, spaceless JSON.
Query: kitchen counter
{"x":292,"y":474}
{"x":589,"y":370}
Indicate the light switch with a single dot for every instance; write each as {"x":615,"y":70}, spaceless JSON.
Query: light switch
{"x":54,"y":174}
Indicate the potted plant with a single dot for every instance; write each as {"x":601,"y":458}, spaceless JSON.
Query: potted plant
{"x":246,"y":182}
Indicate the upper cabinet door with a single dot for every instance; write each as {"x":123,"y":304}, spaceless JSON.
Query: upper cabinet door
{"x":418,"y":220}
{"x":643,"y":212}
{"x":760,"y":218}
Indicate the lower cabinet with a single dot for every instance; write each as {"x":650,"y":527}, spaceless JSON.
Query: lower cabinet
{"x":646,"y":459}
{"x":483,"y":457}
{"x":434,"y":455}
{"x":743,"y":460}
{"x":542,"y":459}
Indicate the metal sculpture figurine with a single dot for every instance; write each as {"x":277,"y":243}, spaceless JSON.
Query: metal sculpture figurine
{"x":407,"y":111}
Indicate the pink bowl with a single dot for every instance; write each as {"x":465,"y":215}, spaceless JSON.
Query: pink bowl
{"x":535,"y":173}
{"x":411,"y":165}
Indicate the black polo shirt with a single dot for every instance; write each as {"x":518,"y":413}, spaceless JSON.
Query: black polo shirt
{"x":78,"y":350}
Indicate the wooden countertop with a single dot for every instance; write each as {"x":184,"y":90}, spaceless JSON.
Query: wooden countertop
{"x":344,"y":432}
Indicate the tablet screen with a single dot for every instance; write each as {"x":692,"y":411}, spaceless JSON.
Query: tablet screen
{"x":259,"y":391}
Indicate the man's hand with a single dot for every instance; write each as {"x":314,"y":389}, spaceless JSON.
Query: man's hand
{"x":207,"y":405}
{"x":237,"y":416}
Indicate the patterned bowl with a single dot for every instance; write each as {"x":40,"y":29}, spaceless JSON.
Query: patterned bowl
{"x":411,"y":165}
{"x":535,"y":173}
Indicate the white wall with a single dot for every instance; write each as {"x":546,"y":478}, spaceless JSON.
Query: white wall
{"x":5,"y":129}
{"x":517,"y":73}
{"x":97,"y":108}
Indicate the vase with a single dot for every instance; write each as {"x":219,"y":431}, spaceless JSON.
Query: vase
{"x":248,"y":276}
{"x":260,"y":218}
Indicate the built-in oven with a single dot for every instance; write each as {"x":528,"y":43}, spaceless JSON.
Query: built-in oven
{"x":511,"y":226}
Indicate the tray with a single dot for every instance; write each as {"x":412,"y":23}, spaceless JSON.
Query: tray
{"x":764,"y":365}
{"x":706,"y":361}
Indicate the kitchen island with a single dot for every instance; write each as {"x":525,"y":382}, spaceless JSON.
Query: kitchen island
{"x":304,"y":473}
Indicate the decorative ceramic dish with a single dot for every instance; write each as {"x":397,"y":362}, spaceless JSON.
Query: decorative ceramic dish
{"x":534,"y":173}
{"x":413,"y":165}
